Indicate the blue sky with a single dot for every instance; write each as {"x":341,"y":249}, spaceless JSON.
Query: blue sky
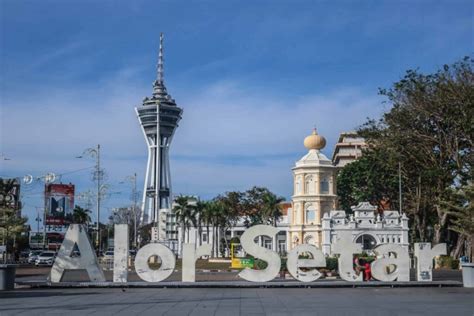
{"x":252,"y":79}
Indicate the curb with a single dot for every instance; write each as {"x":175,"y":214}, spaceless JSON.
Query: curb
{"x":240,"y":284}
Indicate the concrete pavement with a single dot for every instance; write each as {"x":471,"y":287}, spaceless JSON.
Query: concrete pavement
{"x":300,"y":301}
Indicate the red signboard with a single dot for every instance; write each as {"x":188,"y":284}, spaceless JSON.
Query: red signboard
{"x":59,"y":203}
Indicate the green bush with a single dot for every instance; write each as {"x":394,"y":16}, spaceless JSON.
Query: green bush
{"x":448,"y":262}
{"x":283,"y":264}
{"x":331,"y":263}
{"x":260,"y":264}
{"x":367,"y":258}
{"x":455,"y":264}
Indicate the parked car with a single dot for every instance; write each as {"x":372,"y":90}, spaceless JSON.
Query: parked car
{"x":23,"y":257}
{"x":109,"y":254}
{"x":33,"y":255}
{"x":46,"y":258}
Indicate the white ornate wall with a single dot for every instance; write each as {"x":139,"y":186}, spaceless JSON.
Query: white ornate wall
{"x":391,"y":228}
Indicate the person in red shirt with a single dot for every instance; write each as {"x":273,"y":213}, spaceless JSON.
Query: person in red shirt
{"x":367,"y":272}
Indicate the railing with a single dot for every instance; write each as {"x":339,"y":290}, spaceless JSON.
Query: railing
{"x":107,"y":264}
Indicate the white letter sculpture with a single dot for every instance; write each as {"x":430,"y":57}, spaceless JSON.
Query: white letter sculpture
{"x":424,"y":259}
{"x":346,"y":249}
{"x":168,"y":262}
{"x":190,"y":255}
{"x":381,"y":267}
{"x":294,"y":263}
{"x":76,"y":235}
{"x":272,"y":258}
{"x":121,"y":253}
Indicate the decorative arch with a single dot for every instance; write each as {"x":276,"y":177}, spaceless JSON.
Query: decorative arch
{"x":368,"y":240}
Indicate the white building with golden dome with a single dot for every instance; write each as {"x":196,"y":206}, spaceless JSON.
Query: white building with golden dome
{"x":315,"y":193}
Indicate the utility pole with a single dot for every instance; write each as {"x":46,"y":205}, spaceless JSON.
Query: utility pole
{"x":133,"y":198}
{"x":98,"y":196}
{"x":135,"y":210}
{"x":38,"y":221}
{"x":98,"y":174}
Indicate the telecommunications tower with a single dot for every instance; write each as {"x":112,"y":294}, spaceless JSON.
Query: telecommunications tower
{"x":158,"y":116}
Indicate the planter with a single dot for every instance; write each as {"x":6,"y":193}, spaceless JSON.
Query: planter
{"x":468,"y":274}
{"x":7,"y":277}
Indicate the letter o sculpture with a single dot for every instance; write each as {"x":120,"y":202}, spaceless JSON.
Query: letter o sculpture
{"x":168,"y":262}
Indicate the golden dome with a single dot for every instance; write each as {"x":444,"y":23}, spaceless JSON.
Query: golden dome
{"x":314,"y":141}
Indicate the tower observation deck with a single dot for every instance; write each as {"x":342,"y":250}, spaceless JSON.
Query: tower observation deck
{"x":158,"y":116}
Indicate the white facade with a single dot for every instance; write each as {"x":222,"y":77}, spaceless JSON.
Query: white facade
{"x":193,"y":236}
{"x":348,"y":148}
{"x":365,"y":227}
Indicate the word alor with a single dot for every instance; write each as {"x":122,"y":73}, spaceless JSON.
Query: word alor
{"x":392,"y":263}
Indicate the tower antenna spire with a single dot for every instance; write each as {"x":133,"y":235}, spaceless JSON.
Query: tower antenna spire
{"x":160,"y":69}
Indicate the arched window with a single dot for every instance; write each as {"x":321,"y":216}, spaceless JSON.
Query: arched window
{"x":309,"y":185}
{"x":297,"y":214}
{"x":368,"y":242}
{"x":298,"y":186}
{"x":324,"y":186}
{"x":310,"y":214}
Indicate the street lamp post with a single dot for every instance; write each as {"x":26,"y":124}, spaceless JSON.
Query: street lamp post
{"x":95,"y":152}
{"x":133,"y":179}
{"x":135,"y":210}
{"x":38,"y":219}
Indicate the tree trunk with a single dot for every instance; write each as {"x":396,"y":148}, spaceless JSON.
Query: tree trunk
{"x":200,"y":231}
{"x":213,"y":240}
{"x":456,"y":252}
{"x":226,"y":242}
{"x":470,"y":249}
{"x":182,"y":236}
{"x":442,"y":218}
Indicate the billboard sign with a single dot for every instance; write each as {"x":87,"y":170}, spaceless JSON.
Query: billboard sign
{"x":59,"y":203}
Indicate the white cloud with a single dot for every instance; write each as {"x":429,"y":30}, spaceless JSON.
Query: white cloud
{"x":230,"y":137}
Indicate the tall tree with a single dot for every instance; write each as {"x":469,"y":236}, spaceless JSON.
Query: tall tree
{"x":11,"y":224}
{"x":429,"y":130}
{"x":372,"y":178}
{"x":461,"y":208}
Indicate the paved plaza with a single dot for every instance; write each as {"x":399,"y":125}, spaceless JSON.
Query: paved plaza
{"x":331,"y":301}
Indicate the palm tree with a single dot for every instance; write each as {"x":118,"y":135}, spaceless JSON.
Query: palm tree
{"x":206,"y":218}
{"x":81,"y":215}
{"x":272,"y":211}
{"x":199,"y":210}
{"x":212,"y":216}
{"x":272,"y":208}
{"x":184,"y":212}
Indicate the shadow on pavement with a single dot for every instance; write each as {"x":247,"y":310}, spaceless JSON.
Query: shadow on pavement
{"x":42,"y":293}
